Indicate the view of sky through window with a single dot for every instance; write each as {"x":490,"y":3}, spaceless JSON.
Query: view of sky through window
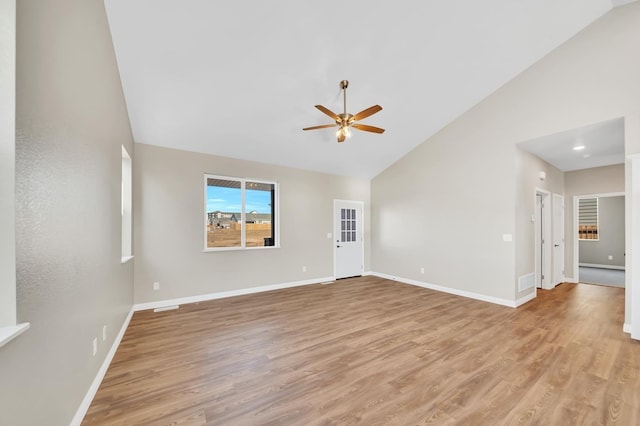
{"x":228,"y":200}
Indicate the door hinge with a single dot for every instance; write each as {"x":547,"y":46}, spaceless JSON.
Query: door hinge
{"x":542,"y":277}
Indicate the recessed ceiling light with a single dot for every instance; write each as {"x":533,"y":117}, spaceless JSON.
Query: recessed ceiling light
{"x":578,"y":147}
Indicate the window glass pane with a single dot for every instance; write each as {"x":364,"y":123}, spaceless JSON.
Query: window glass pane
{"x":353,"y":236}
{"x":240,"y":213}
{"x":224,"y":213}
{"x":259,"y":214}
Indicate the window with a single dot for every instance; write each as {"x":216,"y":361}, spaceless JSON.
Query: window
{"x":126,"y":194}
{"x":347,"y":225}
{"x":588,"y":219}
{"x":239,"y":213}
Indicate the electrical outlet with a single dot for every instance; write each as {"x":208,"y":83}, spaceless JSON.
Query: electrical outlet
{"x":610,"y":257}
{"x":304,"y":269}
{"x":104,"y":333}
{"x":156,"y":285}
{"x":95,"y":346}
{"x":422,"y":270}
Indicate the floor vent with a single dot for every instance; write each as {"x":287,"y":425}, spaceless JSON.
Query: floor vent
{"x":526,"y":281}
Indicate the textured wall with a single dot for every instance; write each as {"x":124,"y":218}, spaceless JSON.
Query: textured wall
{"x":169,"y":232}
{"x":71,"y":121}
{"x":458,"y":189}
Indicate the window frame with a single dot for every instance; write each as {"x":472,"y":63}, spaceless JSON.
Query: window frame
{"x":275,"y":220}
{"x":597,"y":218}
{"x":126,"y":206}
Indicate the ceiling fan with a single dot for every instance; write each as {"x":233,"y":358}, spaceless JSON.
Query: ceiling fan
{"x":345,"y":120}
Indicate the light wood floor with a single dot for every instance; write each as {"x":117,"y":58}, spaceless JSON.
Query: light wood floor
{"x":372,"y":351}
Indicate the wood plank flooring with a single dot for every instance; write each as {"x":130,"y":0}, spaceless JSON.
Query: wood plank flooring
{"x":376,"y":352}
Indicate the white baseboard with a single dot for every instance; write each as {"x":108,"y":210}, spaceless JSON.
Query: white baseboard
{"x":91,"y":393}
{"x":457,"y":292}
{"x":626,"y":328}
{"x":224,"y":294}
{"x":597,"y":265}
{"x":570,"y":280}
{"x":526,"y":298}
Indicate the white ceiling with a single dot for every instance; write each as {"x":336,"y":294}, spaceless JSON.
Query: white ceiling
{"x":603,"y":146}
{"x":240,"y":78}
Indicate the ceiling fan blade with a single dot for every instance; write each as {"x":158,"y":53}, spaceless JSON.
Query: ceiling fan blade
{"x":367,"y":112}
{"x":324,"y":126}
{"x":366,"y":128}
{"x":328,"y":112}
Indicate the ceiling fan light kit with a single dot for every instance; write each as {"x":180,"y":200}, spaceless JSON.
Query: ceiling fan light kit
{"x":346,"y":121}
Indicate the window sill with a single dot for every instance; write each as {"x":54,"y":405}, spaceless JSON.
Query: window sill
{"x":214,"y":249}
{"x":126,"y":259}
{"x":9,"y":333}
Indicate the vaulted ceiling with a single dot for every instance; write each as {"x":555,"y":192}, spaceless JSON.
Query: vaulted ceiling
{"x":241,"y":78}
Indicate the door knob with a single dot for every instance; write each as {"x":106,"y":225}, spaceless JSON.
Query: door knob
{"x":556,"y":245}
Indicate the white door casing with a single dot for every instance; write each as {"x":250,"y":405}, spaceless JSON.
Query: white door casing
{"x":558,"y":239}
{"x":348,"y":248}
{"x":542,"y":240}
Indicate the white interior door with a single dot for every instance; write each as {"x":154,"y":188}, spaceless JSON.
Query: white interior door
{"x":348,"y":247}
{"x":543,"y":236}
{"x":558,"y":239}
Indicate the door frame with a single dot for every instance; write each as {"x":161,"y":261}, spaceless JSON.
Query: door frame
{"x":574,"y":234}
{"x":558,"y":279}
{"x":632,"y":242}
{"x":334,"y":225}
{"x":542,"y":231}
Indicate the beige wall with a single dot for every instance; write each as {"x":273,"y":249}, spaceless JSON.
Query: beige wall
{"x":459,"y":188}
{"x":71,"y":121}
{"x":528,"y":167}
{"x":610,"y":240}
{"x":169,"y":218}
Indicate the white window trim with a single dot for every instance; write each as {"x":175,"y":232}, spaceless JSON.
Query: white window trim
{"x":9,"y":333}
{"x":243,"y":182}
{"x":9,"y":329}
{"x":126,"y":203}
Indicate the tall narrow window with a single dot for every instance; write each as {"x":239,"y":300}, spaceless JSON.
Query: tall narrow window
{"x":239,"y":213}
{"x":126,"y":206}
{"x":588,"y":219}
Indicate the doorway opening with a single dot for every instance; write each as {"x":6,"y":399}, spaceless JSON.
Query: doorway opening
{"x":599,"y":246}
